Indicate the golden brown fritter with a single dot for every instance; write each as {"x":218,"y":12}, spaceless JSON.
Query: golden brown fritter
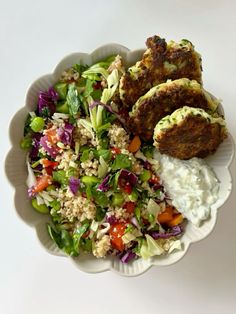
{"x":161,"y":61}
{"x":192,"y":133}
{"x":162,"y":100}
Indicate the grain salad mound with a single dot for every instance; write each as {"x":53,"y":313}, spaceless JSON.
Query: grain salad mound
{"x":98,"y":183}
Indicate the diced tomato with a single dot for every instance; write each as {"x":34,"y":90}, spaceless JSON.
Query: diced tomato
{"x":48,"y":163}
{"x":129,"y":206}
{"x":154,"y":180}
{"x":127,"y":188}
{"x":115,"y":150}
{"x":42,"y":183}
{"x":116,"y":232}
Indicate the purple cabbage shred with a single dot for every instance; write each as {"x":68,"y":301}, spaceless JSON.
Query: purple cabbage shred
{"x":104,"y":186}
{"x":111,"y":220}
{"x":176,"y":230}
{"x":128,"y":176}
{"x":33,"y":155}
{"x":65,"y":134}
{"x":127,"y":256}
{"x":47,"y":102}
{"x":74,"y":184}
{"x":52,"y":151}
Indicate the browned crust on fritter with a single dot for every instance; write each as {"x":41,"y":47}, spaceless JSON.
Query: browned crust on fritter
{"x":194,"y":137}
{"x":153,"y":71}
{"x":163,"y":103}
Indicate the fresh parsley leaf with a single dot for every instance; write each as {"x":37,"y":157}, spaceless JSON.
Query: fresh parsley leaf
{"x":73,"y":100}
{"x":121,"y":161}
{"x":60,"y":177}
{"x":80,"y":68}
{"x":100,"y":213}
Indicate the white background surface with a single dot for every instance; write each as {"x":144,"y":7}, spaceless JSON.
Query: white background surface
{"x":34,"y":36}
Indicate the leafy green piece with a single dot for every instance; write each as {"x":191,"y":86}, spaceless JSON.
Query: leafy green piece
{"x":121,"y":161}
{"x":78,"y":234}
{"x":88,"y":88}
{"x":100,"y":198}
{"x":86,"y":245}
{"x":72,"y":172}
{"x":60,"y":177}
{"x":148,"y":150}
{"x":137,"y":212}
{"x":85,"y":155}
{"x":27,"y":127}
{"x":62,"y":107}
{"x":26,"y":142}
{"x":96,"y":94}
{"x":102,"y":168}
{"x":80,"y":68}
{"x":150,"y":247}
{"x":73,"y":100}
{"x":100,"y":213}
{"x":104,"y":153}
{"x":61,"y":89}
{"x":55,"y":205}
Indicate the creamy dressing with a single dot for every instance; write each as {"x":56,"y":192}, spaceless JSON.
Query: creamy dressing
{"x":191,"y":184}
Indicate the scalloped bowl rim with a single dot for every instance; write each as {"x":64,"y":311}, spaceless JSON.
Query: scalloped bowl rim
{"x":85,"y":262}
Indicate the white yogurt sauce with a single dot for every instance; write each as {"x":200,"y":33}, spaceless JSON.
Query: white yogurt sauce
{"x":191,"y":184}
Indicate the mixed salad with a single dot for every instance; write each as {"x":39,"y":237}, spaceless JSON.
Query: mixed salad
{"x":99,"y":183}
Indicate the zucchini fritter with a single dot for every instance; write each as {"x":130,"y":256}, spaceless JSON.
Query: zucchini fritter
{"x":189,"y":132}
{"x":162,"y":100}
{"x":161,"y":61}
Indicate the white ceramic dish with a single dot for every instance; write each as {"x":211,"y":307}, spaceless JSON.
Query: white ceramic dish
{"x":17,"y":174}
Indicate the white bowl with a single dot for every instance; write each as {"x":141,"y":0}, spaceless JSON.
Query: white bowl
{"x":17,"y":174}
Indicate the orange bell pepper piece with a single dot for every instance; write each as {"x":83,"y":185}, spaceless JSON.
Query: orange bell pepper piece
{"x":177,"y":219}
{"x":134,"y":144}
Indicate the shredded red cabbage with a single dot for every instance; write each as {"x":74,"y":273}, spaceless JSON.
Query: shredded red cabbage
{"x":127,"y":176}
{"x":65,"y":134}
{"x":176,"y":230}
{"x":33,"y":155}
{"x":52,"y":151}
{"x":74,"y":184}
{"x":104,"y":186}
{"x":127,"y":256}
{"x":111,"y":219}
{"x":47,"y":102}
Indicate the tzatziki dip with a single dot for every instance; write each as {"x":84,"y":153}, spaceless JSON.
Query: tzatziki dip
{"x":191,"y":184}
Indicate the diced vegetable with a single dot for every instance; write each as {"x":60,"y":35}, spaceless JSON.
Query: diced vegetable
{"x":42,"y":183}
{"x":134,"y":144}
{"x":145,"y":175}
{"x":89,"y":180}
{"x":176,"y":220}
{"x":42,"y":208}
{"x":37,"y":124}
{"x":117,"y":199}
{"x":26,"y":143}
{"x":116,"y":232}
{"x":61,"y":89}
